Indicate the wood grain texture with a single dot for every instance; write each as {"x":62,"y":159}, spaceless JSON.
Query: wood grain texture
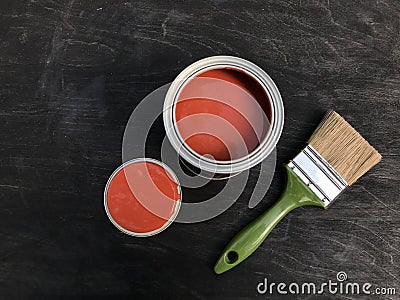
{"x":71,"y":73}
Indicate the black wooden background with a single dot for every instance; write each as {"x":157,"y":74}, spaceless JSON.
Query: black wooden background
{"x":71,"y":73}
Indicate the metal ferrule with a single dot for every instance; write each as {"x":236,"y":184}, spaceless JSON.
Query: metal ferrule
{"x":318,"y":174}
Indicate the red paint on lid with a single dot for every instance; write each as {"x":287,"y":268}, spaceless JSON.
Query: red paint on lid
{"x":142,"y":197}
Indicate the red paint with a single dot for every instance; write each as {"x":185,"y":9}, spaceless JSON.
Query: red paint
{"x":224,"y":113}
{"x":142,"y":197}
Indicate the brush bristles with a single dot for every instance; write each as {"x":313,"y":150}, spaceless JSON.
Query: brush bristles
{"x":343,"y":147}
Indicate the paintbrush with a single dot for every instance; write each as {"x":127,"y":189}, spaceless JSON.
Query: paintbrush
{"x":335,"y":157}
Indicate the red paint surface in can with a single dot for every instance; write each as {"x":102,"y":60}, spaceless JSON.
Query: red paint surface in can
{"x":224,"y":113}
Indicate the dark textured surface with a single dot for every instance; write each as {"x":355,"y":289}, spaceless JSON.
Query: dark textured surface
{"x":71,"y":72}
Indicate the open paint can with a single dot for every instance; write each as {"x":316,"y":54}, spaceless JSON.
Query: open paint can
{"x":223,"y":115}
{"x":142,"y":197}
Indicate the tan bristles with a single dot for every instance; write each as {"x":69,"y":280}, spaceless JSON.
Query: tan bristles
{"x":343,"y":147}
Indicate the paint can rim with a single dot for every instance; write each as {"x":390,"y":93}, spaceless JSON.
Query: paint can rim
{"x":265,"y":147}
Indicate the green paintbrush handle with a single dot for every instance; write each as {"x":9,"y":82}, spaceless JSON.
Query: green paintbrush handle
{"x":296,"y":194}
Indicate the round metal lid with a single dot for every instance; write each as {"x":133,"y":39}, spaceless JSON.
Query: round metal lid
{"x":142,"y":197}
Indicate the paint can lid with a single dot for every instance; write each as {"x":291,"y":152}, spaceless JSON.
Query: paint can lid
{"x":142,"y":197}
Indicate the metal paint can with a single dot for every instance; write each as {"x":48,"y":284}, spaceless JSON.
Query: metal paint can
{"x":221,"y":168}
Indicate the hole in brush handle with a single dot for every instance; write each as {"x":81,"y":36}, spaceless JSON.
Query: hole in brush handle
{"x":231,"y":257}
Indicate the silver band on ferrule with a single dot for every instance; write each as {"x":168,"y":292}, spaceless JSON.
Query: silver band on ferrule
{"x":318,"y":174}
